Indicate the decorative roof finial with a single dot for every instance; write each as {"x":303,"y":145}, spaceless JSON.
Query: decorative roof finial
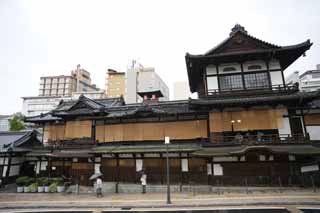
{"x":237,"y":28}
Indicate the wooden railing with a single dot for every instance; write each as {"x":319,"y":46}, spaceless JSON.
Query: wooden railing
{"x":261,"y":139}
{"x":273,"y":89}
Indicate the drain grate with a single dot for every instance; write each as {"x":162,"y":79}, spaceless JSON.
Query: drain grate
{"x":126,"y":208}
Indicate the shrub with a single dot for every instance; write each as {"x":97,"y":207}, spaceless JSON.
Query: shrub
{"x":23,"y":181}
{"x":53,"y":187}
{"x":33,"y":187}
{"x":30,"y":181}
{"x":58,"y":181}
{"x":42,"y":181}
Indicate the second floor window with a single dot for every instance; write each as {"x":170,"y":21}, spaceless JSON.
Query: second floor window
{"x":230,"y":82}
{"x":257,"y":80}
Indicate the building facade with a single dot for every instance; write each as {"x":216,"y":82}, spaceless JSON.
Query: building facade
{"x":181,"y":90}
{"x":78,"y":81}
{"x":4,"y":122}
{"x":115,"y":85}
{"x":248,"y":127}
{"x":142,"y":79}
{"x":36,"y":105}
{"x":308,"y":81}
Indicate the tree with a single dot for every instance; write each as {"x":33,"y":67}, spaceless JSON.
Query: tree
{"x":16,"y":123}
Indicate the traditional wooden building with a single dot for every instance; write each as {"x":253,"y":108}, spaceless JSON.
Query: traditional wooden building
{"x":246,"y":126}
{"x":13,"y":148}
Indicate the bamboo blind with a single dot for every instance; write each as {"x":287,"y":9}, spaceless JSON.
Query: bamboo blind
{"x":152,"y":131}
{"x":53,"y":132}
{"x":78,"y":129}
{"x":250,"y":120}
{"x":312,"y":119}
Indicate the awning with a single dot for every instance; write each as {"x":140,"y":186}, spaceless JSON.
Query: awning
{"x":146,"y":148}
{"x":294,"y":149}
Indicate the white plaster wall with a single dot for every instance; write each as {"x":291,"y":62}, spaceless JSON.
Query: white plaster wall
{"x":235,"y":65}
{"x":211,"y":70}
{"x":274,"y":64}
{"x":257,"y":62}
{"x":4,"y":171}
{"x":285,"y":130}
{"x":212,"y":83}
{"x":276,"y":78}
{"x":314,"y":132}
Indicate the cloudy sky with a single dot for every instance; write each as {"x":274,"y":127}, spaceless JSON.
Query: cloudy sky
{"x":51,"y":37}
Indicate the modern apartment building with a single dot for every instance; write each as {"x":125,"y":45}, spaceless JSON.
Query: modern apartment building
{"x":143,"y":79}
{"x":4,"y":122}
{"x":62,"y":85}
{"x":308,"y":81}
{"x":35,"y":105}
{"x":115,"y":85}
{"x":181,"y":90}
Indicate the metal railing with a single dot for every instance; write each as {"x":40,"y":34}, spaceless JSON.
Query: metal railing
{"x":273,"y":89}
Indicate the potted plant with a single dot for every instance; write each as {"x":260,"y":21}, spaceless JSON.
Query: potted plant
{"x":27,"y":182}
{"x":33,"y":187}
{"x":53,"y":187}
{"x":46,"y":184}
{"x":60,"y":184}
{"x":21,"y":182}
{"x":41,"y":183}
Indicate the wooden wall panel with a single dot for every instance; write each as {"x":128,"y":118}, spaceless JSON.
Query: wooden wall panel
{"x":100,"y":133}
{"x":78,"y":129}
{"x":153,"y":131}
{"x":312,"y":119}
{"x":249,"y":120}
{"x":54,"y":132}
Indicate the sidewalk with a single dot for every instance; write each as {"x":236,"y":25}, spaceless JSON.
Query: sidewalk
{"x":155,"y":200}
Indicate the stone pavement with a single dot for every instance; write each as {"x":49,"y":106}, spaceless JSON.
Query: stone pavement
{"x":9,"y":201}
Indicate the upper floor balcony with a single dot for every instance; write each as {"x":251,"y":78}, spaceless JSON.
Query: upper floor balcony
{"x":258,"y":138}
{"x":274,"y":89}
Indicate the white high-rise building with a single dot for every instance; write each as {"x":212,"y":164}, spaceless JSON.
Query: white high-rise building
{"x":181,"y":90}
{"x":308,"y":81}
{"x":143,"y":79}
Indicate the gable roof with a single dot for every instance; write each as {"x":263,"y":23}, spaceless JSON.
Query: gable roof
{"x":240,"y":46}
{"x":237,"y":37}
{"x":14,"y":140}
{"x":86,"y":105}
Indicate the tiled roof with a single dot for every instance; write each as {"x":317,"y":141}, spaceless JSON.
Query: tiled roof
{"x":14,"y":140}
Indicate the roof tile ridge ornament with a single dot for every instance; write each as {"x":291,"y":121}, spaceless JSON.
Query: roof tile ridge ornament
{"x":237,"y":28}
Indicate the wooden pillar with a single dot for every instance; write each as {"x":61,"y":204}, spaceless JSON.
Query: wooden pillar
{"x":8,"y":168}
{"x":269,"y":75}
{"x":117,"y":173}
{"x":188,"y":173}
{"x":306,"y":134}
{"x":181,"y":173}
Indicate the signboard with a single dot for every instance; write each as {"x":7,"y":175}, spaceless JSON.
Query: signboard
{"x":217,"y":170}
{"x":139,"y":164}
{"x":310,"y":168}
{"x":184,"y":165}
{"x":97,"y":168}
